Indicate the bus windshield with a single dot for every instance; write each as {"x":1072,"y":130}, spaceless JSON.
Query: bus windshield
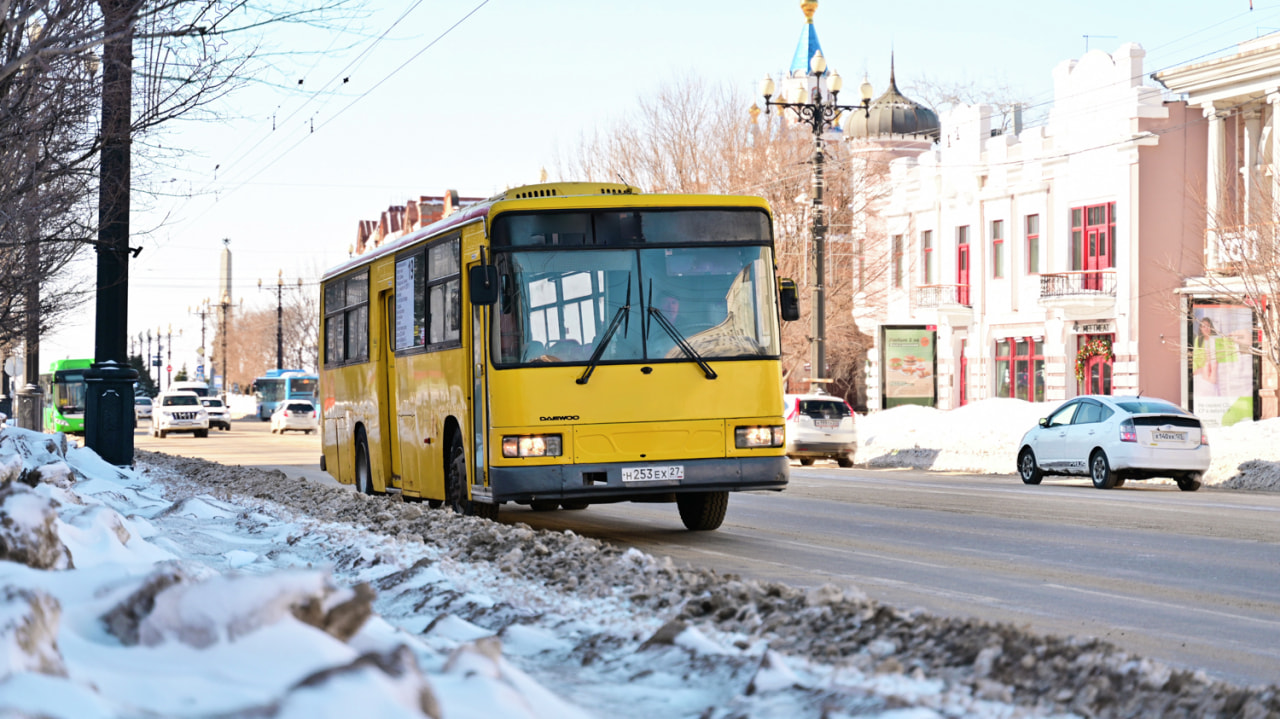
{"x":557,"y":305}
{"x":68,"y":391}
{"x":270,"y":389}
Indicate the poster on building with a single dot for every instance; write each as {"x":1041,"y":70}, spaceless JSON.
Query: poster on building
{"x":1221,"y":364}
{"x":908,"y":362}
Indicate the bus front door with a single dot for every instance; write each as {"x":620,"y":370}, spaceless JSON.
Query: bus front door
{"x":388,"y":415}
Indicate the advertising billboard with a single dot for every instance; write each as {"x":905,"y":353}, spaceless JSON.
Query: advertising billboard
{"x":1221,"y":364}
{"x":909,"y":366}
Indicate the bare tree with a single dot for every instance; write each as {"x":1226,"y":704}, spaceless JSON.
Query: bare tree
{"x":942,"y":95}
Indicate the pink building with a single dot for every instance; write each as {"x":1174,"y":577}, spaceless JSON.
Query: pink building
{"x":1045,"y":263}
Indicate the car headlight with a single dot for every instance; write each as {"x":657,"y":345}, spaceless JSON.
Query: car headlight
{"x":531,"y":445}
{"x":759,"y":436}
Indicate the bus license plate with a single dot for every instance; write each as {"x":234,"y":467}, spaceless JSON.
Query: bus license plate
{"x":1169,"y":436}
{"x":653,"y":474}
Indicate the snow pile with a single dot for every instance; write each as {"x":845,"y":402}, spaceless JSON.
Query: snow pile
{"x":983,"y":438}
{"x":202,"y":590}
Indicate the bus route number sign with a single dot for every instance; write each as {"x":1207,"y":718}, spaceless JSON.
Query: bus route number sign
{"x":653,"y":474}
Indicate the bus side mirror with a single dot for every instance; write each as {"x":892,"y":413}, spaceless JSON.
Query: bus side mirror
{"x":789,"y":298}
{"x":484,"y":284}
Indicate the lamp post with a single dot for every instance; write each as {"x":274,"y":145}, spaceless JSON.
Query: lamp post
{"x":820,"y":111}
{"x":109,"y":382}
{"x":279,"y":316}
{"x":202,"y":310}
{"x":224,"y":304}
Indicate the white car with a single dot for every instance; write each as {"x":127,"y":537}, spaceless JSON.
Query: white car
{"x":295,"y":414}
{"x":179,"y":412}
{"x":820,"y":426}
{"x":1111,"y":439}
{"x":141,"y":407}
{"x":219,"y":415}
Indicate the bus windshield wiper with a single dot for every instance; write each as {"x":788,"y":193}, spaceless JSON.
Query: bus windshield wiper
{"x":623,"y":311}
{"x":682,"y":342}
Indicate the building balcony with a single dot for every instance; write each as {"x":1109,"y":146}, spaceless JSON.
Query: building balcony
{"x":951,"y":302}
{"x":1081,"y":294}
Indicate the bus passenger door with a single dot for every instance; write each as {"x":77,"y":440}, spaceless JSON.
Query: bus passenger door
{"x":479,"y":397}
{"x":388,"y":417}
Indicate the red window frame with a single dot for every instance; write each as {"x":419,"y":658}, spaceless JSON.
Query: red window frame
{"x":1024,"y":369}
{"x":1093,"y":237}
{"x":963,"y":260}
{"x":997,"y":249}
{"x":964,"y":374}
{"x":1032,"y":228}
{"x":897,"y":261}
{"x":926,"y":251}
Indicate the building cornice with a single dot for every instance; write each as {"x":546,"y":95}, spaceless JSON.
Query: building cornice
{"x":1249,"y":73}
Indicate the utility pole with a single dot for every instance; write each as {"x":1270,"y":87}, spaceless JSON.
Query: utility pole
{"x":280,"y":316}
{"x":109,"y":394}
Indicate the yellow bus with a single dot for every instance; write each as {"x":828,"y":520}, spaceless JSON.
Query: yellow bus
{"x":561,"y":345}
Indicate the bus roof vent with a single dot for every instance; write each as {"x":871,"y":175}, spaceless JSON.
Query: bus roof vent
{"x":563,"y":189}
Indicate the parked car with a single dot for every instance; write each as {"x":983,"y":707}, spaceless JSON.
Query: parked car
{"x":1113,"y":439}
{"x":219,"y":415}
{"x":141,"y":407}
{"x":820,"y":426}
{"x":179,"y":412}
{"x":295,"y":414}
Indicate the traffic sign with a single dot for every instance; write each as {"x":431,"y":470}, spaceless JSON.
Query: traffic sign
{"x":168,"y":368}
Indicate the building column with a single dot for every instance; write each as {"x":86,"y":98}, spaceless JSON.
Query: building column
{"x":1273,"y":100}
{"x":1249,"y":173}
{"x":1214,"y":184}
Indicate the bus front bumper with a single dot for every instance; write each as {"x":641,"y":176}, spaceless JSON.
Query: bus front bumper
{"x":651,"y":481}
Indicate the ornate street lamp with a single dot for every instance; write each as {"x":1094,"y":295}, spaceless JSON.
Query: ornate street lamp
{"x":820,"y":110}
{"x":279,"y":315}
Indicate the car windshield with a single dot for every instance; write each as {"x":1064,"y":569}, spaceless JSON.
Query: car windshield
{"x":824,"y":408}
{"x":180,"y":401}
{"x":142,"y":400}
{"x":1150,"y":406}
{"x":211,"y":402}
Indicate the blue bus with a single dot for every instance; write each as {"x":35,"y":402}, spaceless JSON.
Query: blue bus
{"x":280,"y":385}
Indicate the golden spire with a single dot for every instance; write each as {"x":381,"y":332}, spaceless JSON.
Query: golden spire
{"x":808,"y":7}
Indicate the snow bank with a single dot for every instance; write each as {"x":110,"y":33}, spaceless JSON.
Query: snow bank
{"x":983,"y":438}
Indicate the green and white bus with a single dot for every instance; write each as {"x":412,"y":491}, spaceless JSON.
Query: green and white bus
{"x":64,"y":392}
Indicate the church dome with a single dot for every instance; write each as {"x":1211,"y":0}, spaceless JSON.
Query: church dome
{"x":892,"y":115}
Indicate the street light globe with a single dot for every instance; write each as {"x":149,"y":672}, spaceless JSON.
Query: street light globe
{"x":767,"y":87}
{"x":834,"y":83}
{"x":818,"y":63}
{"x":866,"y":89}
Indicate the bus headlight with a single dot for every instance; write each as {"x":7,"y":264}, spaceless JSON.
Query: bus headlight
{"x":755,"y":437}
{"x":531,"y":445}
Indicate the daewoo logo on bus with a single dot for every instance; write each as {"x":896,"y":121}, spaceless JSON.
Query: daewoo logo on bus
{"x":559,"y":418}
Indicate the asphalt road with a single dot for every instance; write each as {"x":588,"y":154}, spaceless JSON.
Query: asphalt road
{"x":1191,"y":579}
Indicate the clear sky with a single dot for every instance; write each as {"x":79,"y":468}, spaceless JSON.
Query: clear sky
{"x":292,"y":168}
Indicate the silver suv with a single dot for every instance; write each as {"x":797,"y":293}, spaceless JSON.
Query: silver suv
{"x":179,"y":412}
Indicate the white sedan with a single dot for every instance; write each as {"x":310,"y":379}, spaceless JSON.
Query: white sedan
{"x":1111,"y":439}
{"x":295,"y":414}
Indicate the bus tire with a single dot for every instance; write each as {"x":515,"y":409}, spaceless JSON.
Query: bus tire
{"x":455,"y":486}
{"x":702,"y":511}
{"x":574,"y":504}
{"x":364,"y":475}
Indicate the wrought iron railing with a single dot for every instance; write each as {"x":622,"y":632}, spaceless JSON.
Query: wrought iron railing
{"x":1084,"y":282}
{"x":938,"y":295}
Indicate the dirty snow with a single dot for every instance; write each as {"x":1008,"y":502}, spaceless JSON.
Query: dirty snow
{"x":983,"y":438}
{"x":200,"y":590}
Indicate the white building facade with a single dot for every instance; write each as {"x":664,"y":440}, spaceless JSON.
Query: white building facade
{"x":1043,"y":264}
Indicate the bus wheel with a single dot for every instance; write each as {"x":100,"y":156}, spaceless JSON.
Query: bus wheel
{"x":455,"y":487}
{"x":574,"y":504}
{"x":702,"y":511}
{"x":364,"y":478}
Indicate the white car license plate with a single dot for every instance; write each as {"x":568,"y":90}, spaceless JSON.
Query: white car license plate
{"x":1168,"y":436}
{"x":826,"y":423}
{"x":652,"y":474}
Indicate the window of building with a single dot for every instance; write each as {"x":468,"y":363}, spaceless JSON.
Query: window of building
{"x":429,"y":297}
{"x":1020,"y":368}
{"x":1093,"y":230}
{"x":346,"y":319}
{"x":1094,"y":370}
{"x":1033,"y":244}
{"x":897,"y":261}
{"x":962,"y":265}
{"x":926,"y":256}
{"x":997,"y":248}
